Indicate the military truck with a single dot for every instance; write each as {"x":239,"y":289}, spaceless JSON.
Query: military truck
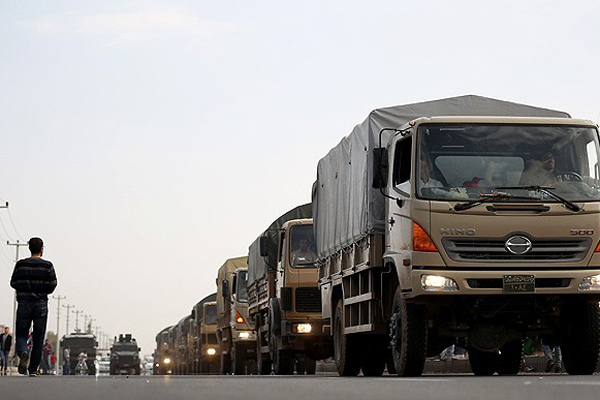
{"x":79,"y":343}
{"x":162,"y":355}
{"x":206,"y":350}
{"x":465,"y":220}
{"x":284,"y":300}
{"x":235,"y":333}
{"x":181,"y":354}
{"x":125,"y":356}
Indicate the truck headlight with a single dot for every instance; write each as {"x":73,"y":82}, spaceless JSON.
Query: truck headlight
{"x":167,"y":361}
{"x":436,"y":283}
{"x":244,"y":335}
{"x":211,"y":351}
{"x":590,"y":283}
{"x":302,"y":328}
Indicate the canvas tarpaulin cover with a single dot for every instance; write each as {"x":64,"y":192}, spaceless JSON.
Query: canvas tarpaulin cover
{"x":259,"y":266}
{"x":346,"y":208}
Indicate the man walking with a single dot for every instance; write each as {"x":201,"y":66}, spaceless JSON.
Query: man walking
{"x":33,"y":279}
{"x":5,"y":345}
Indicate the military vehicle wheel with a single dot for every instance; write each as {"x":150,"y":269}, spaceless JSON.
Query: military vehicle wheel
{"x":225,"y":364}
{"x":373,"y":360}
{"x":483,"y":363}
{"x":263,"y":361}
{"x":580,"y":338}
{"x":305,"y":365}
{"x":509,"y":360}
{"x":408,"y":337}
{"x":239,"y":360}
{"x":345,"y":347}
{"x":283,"y":360}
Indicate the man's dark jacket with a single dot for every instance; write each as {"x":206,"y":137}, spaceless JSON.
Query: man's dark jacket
{"x":33,"y":279}
{"x":8,"y":343}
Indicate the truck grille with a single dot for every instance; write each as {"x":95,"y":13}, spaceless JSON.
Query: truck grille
{"x":308,"y":299}
{"x":540,"y":283}
{"x":463,"y":249}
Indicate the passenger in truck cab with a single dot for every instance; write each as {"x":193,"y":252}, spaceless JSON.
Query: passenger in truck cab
{"x":303,"y":255}
{"x":540,"y":170}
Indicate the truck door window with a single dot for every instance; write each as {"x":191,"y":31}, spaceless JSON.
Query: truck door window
{"x":281,"y":246}
{"x":402,"y":161}
{"x":242,"y":285}
{"x":210,"y":314}
{"x":302,"y":245}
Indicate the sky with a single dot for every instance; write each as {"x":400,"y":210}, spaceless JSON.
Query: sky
{"x":148,"y":141}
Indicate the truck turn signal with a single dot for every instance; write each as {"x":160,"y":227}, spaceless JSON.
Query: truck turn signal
{"x":421,"y":240}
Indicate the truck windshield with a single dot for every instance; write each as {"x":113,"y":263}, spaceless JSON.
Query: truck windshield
{"x":242,"y":285}
{"x":302,"y":246}
{"x":210,"y":314}
{"x":462,"y":162}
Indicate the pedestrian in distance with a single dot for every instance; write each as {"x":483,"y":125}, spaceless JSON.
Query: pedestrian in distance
{"x":33,"y":279}
{"x":5,"y":346}
{"x":46,"y":352}
{"x":53,"y":365}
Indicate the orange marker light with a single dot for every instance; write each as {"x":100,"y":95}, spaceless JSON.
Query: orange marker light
{"x":238,"y":318}
{"x":421,"y":240}
{"x":597,"y":248}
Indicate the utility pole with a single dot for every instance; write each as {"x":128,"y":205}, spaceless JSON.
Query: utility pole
{"x":57,"y":352}
{"x":85,"y":321}
{"x":17,"y":244}
{"x":68,"y":307}
{"x":77,"y":320}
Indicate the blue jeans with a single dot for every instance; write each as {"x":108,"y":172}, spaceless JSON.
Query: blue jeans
{"x":67,"y":367}
{"x":28,"y":312}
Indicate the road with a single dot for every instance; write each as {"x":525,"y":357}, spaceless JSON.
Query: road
{"x":301,"y":387}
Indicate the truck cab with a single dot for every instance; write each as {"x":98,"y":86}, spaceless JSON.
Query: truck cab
{"x":235,"y":333}
{"x":208,"y":352}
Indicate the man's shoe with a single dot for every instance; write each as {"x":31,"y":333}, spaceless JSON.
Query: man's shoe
{"x":24,"y":363}
{"x":549,"y":366}
{"x":33,"y":375}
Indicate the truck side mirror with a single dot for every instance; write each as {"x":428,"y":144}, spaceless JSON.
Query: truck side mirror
{"x":225,"y":287}
{"x":264,"y":246}
{"x":380,"y":167}
{"x":193,"y":314}
{"x":286,"y":299}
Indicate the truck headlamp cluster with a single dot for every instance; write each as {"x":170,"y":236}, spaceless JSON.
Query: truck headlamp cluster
{"x":302,"y":328}
{"x":436,"y":283}
{"x":244,"y":335}
{"x":211,"y":351}
{"x":167,"y":361}
{"x":590,"y":283}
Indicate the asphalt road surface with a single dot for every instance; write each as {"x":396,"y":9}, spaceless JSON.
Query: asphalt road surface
{"x":300,"y":387}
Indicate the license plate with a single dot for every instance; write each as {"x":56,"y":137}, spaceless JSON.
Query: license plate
{"x":518,"y":283}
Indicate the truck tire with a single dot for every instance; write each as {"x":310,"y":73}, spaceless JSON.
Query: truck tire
{"x":373,"y":360}
{"x":483,"y":363}
{"x":263,"y":361}
{"x":345,"y":347}
{"x":408,"y":337}
{"x":283,"y":362}
{"x":509,"y":360}
{"x":580,"y":337}
{"x":306,"y":365}
{"x":225,"y":364}
{"x":238,"y":358}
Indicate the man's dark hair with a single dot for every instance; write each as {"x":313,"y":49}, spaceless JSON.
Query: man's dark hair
{"x":35,"y":245}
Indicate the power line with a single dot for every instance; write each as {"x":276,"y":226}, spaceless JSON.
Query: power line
{"x":13,"y":223}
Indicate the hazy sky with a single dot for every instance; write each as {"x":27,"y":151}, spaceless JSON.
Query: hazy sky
{"x":148,"y":141}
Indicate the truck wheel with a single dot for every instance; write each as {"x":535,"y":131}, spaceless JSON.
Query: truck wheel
{"x":283,"y":362}
{"x":373,"y":362}
{"x":580,"y":338}
{"x":225,"y":364}
{"x":263,"y":361}
{"x":311,"y":366}
{"x":408,"y":334}
{"x":483,"y":363}
{"x":239,"y":360}
{"x":345,"y":347}
{"x":509,"y":360}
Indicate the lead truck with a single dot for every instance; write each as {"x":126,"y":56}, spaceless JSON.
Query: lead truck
{"x":465,"y":220}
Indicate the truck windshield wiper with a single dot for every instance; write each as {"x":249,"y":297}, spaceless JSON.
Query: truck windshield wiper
{"x":545,"y":189}
{"x":487,"y":197}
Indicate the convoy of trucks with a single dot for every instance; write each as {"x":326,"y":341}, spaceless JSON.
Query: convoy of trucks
{"x":125,"y":356}
{"x":467,"y":220}
{"x":284,"y":300}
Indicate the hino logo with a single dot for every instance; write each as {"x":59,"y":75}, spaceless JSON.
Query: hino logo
{"x":518,"y":245}
{"x":458,"y":231}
